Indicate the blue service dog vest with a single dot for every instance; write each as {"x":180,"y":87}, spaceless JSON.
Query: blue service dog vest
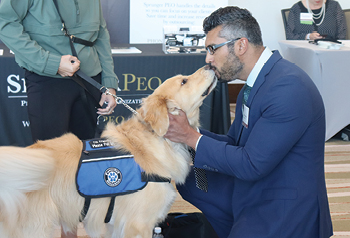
{"x":104,"y":171}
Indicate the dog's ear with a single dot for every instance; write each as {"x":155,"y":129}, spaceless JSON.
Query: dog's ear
{"x":154,"y":111}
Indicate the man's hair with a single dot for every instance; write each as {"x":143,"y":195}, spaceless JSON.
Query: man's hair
{"x":236,"y":22}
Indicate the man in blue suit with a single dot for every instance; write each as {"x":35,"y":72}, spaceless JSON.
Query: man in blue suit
{"x":266,"y":176}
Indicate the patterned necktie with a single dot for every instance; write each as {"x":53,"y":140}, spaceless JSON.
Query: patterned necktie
{"x":199,"y":174}
{"x":246,"y":92}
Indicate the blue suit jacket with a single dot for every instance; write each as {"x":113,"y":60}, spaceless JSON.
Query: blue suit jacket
{"x":277,"y":162}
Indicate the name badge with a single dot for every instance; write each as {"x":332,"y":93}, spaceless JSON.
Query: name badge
{"x":306,"y":18}
{"x":245,"y":117}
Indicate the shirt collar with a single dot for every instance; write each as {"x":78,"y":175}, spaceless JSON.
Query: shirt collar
{"x":264,"y":57}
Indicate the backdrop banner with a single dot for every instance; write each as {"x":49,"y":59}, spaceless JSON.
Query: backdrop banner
{"x":139,"y":74}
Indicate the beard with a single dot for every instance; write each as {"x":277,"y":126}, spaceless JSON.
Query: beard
{"x":231,"y":68}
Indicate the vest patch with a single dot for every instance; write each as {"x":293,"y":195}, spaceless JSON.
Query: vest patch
{"x":113,"y":177}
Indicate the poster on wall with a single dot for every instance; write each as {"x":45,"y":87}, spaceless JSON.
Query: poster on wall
{"x":148,"y":17}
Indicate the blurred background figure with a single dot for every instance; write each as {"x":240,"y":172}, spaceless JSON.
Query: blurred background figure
{"x":316,"y":19}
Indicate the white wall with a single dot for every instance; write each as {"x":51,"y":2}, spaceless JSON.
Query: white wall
{"x":268,"y":14}
{"x":160,"y":13}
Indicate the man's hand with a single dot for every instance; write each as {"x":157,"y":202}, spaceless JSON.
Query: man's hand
{"x":110,"y":101}
{"x":180,"y":130}
{"x":68,"y":66}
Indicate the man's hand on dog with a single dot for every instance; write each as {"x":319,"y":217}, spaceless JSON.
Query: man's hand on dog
{"x":180,"y":130}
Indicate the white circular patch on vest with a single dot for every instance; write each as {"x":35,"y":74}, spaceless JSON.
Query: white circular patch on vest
{"x":112,"y":177}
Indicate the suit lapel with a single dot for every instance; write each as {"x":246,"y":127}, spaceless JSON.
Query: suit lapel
{"x":258,"y":82}
{"x":262,"y":76}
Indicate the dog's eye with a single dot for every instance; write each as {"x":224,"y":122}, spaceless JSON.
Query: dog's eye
{"x":184,"y":81}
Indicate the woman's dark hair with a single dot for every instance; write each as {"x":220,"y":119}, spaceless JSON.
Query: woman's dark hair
{"x":236,"y":22}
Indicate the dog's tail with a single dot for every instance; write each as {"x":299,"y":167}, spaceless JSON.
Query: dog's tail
{"x":22,"y":170}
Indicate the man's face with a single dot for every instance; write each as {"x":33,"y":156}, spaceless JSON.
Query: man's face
{"x":224,"y":61}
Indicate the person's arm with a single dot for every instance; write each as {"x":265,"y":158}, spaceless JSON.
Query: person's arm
{"x":292,"y":25}
{"x":341,"y":23}
{"x":103,"y":48}
{"x":285,"y":115}
{"x":13,"y":35}
{"x":109,"y":78}
{"x":180,"y":131}
{"x":293,"y":31}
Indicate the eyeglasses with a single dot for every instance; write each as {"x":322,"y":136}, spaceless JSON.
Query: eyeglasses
{"x":212,"y":48}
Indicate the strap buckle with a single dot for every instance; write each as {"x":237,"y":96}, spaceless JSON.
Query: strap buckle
{"x":64,"y":29}
{"x":105,"y":90}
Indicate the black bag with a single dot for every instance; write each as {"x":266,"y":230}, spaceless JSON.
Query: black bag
{"x":344,"y":134}
{"x":187,"y":225}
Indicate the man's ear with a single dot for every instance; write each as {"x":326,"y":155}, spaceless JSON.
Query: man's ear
{"x":242,"y":45}
{"x":154,"y":111}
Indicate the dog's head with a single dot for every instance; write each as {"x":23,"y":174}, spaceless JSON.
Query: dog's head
{"x":180,"y":92}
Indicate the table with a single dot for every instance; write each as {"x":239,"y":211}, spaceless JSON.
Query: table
{"x":330,"y":71}
{"x":139,"y":74}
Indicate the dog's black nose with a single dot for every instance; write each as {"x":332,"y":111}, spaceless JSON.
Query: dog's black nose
{"x":207,"y":67}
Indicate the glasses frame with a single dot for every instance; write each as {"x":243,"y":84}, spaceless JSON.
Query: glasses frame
{"x":212,"y":48}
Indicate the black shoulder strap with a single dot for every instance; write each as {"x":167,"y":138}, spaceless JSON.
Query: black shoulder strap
{"x":110,"y":210}
{"x":73,"y":39}
{"x":56,"y":5}
{"x":85,"y":209}
{"x":154,"y":178}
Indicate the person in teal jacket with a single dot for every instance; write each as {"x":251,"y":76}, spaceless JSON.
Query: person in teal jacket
{"x":42,"y":49}
{"x":56,"y":104}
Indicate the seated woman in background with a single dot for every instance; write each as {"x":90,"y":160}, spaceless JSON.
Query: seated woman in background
{"x":316,"y":19}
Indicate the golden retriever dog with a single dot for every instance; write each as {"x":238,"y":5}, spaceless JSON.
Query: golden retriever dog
{"x":37,"y":183}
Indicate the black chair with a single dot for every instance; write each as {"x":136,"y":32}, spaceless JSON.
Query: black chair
{"x":347,"y":18}
{"x":285,"y":13}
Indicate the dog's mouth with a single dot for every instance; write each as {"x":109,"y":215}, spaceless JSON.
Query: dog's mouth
{"x":210,"y":88}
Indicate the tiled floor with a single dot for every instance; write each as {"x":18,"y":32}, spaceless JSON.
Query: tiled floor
{"x":337,"y":167}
